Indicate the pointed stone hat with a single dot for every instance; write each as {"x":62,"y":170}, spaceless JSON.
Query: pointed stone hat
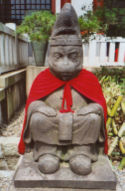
{"x":66,"y":30}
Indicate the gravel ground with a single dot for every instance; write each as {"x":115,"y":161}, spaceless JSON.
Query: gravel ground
{"x":15,"y":126}
{"x":14,"y":129}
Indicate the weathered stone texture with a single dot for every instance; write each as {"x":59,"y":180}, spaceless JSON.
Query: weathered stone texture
{"x":28,"y":176}
{"x":9,"y":145}
{"x":12,"y":188}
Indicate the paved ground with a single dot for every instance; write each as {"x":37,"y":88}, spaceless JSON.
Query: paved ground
{"x":14,"y":129}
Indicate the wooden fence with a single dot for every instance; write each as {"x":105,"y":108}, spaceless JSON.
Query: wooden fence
{"x":103,"y":51}
{"x":100,"y":51}
{"x":13,"y":50}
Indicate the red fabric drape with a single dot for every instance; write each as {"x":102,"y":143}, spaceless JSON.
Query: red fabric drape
{"x":64,"y":1}
{"x":45,"y":83}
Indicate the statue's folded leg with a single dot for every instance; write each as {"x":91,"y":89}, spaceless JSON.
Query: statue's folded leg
{"x":86,"y":129}
{"x":41,"y":134}
{"x":86,"y":132}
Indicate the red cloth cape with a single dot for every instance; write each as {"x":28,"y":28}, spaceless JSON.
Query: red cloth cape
{"x":45,"y":83}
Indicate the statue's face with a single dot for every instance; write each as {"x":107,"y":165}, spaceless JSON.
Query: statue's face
{"x":65,"y":62}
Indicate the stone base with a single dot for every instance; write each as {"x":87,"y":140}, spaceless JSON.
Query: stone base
{"x":12,"y":188}
{"x":28,"y":176}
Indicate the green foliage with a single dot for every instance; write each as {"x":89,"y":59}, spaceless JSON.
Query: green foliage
{"x":38,"y":25}
{"x":106,"y":17}
{"x":109,"y":19}
{"x":114,"y":75}
{"x":89,"y":23}
{"x":112,"y":23}
{"x":113,"y":85}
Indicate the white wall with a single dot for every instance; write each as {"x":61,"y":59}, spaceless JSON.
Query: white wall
{"x":77,"y":4}
{"x":58,"y":3}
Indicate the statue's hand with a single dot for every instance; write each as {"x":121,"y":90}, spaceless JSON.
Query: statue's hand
{"x":48,"y":111}
{"x":41,"y":107}
{"x":90,"y":108}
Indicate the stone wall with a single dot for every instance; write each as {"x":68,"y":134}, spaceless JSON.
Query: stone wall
{"x":31,"y":73}
{"x":12,"y":94}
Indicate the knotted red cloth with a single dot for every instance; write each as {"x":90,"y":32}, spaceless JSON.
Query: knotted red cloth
{"x":45,"y":83}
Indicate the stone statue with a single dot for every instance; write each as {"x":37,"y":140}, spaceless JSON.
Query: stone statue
{"x":73,"y":131}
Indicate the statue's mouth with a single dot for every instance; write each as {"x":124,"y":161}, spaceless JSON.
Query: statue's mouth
{"x":66,"y":76}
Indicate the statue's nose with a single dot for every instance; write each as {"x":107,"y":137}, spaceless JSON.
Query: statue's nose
{"x":66,"y":61}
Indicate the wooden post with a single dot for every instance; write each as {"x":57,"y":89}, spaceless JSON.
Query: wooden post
{"x":102,"y":56}
{"x":7,"y":50}
{"x":121,"y":53}
{"x":112,"y":52}
{"x":53,"y":6}
{"x":2,"y":50}
{"x":10,"y":51}
{"x":92,"y":52}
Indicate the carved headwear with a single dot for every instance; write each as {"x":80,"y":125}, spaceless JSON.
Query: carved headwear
{"x":66,"y":30}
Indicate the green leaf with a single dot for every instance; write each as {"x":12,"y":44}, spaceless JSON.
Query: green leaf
{"x":38,"y":25}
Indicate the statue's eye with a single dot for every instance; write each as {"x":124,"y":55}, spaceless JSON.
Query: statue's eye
{"x":57,"y":56}
{"x":73,"y":55}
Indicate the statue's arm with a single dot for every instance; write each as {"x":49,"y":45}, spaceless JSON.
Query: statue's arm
{"x":90,"y":108}
{"x":42,"y":107}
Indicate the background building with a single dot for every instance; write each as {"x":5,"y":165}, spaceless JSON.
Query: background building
{"x":13,"y":11}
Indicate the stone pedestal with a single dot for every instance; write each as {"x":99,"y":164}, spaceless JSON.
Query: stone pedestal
{"x":28,"y":177}
{"x":12,"y":188}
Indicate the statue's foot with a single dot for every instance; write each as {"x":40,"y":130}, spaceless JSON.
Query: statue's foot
{"x":48,"y":164}
{"x":80,"y":164}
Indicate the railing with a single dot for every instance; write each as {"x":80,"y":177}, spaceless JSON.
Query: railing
{"x":13,"y":50}
{"x":103,"y":51}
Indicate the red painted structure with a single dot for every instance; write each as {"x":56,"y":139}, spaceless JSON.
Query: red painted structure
{"x":64,"y":1}
{"x":53,"y":6}
{"x":98,"y":3}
